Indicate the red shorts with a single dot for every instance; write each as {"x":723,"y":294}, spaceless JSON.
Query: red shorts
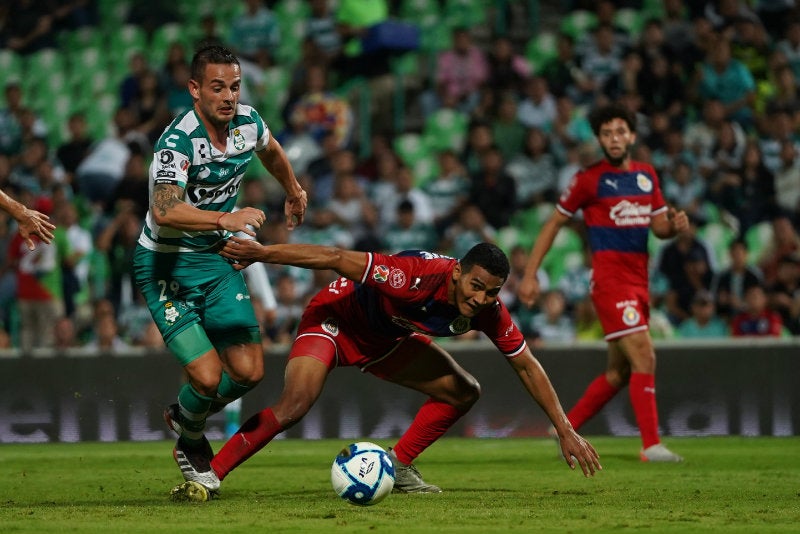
{"x":621,"y":310}
{"x":338,"y":344}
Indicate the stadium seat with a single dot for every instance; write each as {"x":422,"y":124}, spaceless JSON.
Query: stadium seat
{"x":127,"y":39}
{"x":11,"y":66}
{"x":163,"y":37}
{"x":42,"y":64}
{"x":630,"y":20}
{"x":540,"y":49}
{"x":577,"y":23}
{"x":467,"y":13}
{"x":758,"y":237}
{"x":565,"y":254}
{"x":113,"y":13}
{"x":446,"y":128}
{"x":717,"y":236}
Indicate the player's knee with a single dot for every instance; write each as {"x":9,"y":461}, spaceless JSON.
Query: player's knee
{"x":469,"y":393}
{"x":291,"y":408}
{"x":206,"y":383}
{"x":618,"y":377}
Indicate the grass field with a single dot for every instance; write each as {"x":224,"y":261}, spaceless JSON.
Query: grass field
{"x":490,"y":485}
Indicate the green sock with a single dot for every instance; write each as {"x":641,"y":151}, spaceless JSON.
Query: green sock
{"x":193,"y":412}
{"x":227,"y":391}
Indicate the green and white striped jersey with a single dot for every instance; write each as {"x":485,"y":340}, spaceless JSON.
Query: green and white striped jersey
{"x":210,"y":179}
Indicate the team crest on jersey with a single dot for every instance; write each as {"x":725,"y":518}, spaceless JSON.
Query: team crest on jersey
{"x":644,"y":183}
{"x":630,"y":316}
{"x":460,"y":325}
{"x":331,"y":326}
{"x":380,"y":273}
{"x":171,"y":313}
{"x":397,"y":278}
{"x":238,"y":139}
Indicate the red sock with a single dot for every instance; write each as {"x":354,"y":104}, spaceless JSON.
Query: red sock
{"x":597,"y":394}
{"x":643,"y":400}
{"x":431,"y":422}
{"x":253,"y":435}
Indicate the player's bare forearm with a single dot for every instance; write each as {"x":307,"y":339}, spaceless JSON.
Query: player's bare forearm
{"x":274,"y":159}
{"x":168,"y":209}
{"x":347,"y":263}
{"x":30,"y":222}
{"x":528,"y":290}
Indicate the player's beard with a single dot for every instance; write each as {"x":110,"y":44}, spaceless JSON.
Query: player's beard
{"x":617,"y":162}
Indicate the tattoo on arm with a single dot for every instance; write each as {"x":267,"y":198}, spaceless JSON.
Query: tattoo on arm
{"x":166,"y":196}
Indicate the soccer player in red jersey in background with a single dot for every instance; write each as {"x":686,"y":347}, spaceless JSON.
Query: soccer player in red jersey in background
{"x":621,"y":201}
{"x":379,"y":316}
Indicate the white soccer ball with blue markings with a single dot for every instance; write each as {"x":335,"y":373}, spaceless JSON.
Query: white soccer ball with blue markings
{"x":362,"y":473}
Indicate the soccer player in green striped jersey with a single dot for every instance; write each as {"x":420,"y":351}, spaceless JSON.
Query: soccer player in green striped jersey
{"x":198,"y":300}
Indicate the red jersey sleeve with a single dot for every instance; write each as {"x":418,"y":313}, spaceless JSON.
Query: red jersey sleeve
{"x":499,"y":327}
{"x":577,"y":193}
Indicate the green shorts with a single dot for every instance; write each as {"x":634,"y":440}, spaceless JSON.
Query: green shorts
{"x":196,"y":288}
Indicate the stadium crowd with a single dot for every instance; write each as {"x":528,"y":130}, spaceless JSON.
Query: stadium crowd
{"x":468,"y":135}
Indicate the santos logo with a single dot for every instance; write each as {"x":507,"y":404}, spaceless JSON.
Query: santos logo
{"x":199,"y":195}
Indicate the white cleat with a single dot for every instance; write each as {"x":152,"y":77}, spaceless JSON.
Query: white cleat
{"x":659,"y":453}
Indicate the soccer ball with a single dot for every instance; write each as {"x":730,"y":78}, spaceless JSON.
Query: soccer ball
{"x":362,"y":473}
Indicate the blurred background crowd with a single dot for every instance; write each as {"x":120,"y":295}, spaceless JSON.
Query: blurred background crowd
{"x":469,"y":134}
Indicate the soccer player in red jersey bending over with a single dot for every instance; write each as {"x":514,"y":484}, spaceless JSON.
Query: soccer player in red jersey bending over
{"x":379,"y":316}
{"x":621,"y":202}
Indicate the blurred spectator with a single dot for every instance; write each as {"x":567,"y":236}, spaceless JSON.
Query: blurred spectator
{"x":701,"y":136}
{"x":132,"y":189}
{"x":406,"y":233}
{"x":254,"y":34}
{"x":10,"y":128}
{"x":537,"y":109}
{"x":177,"y":96}
{"x":507,"y":130}
{"x":779,"y":127}
{"x":321,"y":29}
{"x":751,"y":46}
{"x":787,"y":180}
{"x":534,"y":171}
{"x":684,"y":188}
{"x":553,"y":323}
{"x":730,"y":284}
{"x":776,"y":15}
{"x":352,"y":209}
{"x":460,"y":71}
{"x":703,"y":321}
{"x":603,"y":59}
{"x":726,"y":153}
{"x":784,"y":293}
{"x":353,"y":19}
{"x":728,"y":80}
{"x":479,"y":140}
{"x":517,"y":259}
{"x":117,"y":241}
{"x":448,"y":191}
{"x":569,"y":128}
{"x":75,"y":263}
{"x":470,"y":229}
{"x":508,"y":70}
{"x":131,"y":85}
{"x":587,"y":324}
{"x":748,"y":193}
{"x":105,"y":338}
{"x":405,"y":188}
{"x":493,"y":190}
{"x":290,"y":305}
{"x":65,"y":335}
{"x":629,"y":78}
{"x":149,"y":107}
{"x":209,"y":32}
{"x":32,"y":28}
{"x":662,"y":89}
{"x":686,"y":263}
{"x":785,"y":241}
{"x":72,"y":151}
{"x":757,"y":319}
{"x":319,"y":111}
{"x":39,"y":287}
{"x":789,"y":45}
{"x":563,"y":72}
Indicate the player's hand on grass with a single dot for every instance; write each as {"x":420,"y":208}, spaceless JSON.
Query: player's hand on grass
{"x":577,"y":450}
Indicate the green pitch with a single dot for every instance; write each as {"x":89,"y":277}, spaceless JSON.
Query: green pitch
{"x":490,"y":485}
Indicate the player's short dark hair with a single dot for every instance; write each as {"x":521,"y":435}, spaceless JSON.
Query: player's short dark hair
{"x":488,"y":256}
{"x":211,"y":55}
{"x":599,"y":116}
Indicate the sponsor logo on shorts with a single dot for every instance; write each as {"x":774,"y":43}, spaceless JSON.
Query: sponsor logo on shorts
{"x":630,"y":316}
{"x":397,"y":278}
{"x":242,"y":296}
{"x":331,"y":326}
{"x":171,"y":313}
{"x":380,"y":273}
{"x":460,"y":325}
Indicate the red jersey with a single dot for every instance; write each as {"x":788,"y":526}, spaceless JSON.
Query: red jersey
{"x":399,"y":295}
{"x":617,"y":207}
